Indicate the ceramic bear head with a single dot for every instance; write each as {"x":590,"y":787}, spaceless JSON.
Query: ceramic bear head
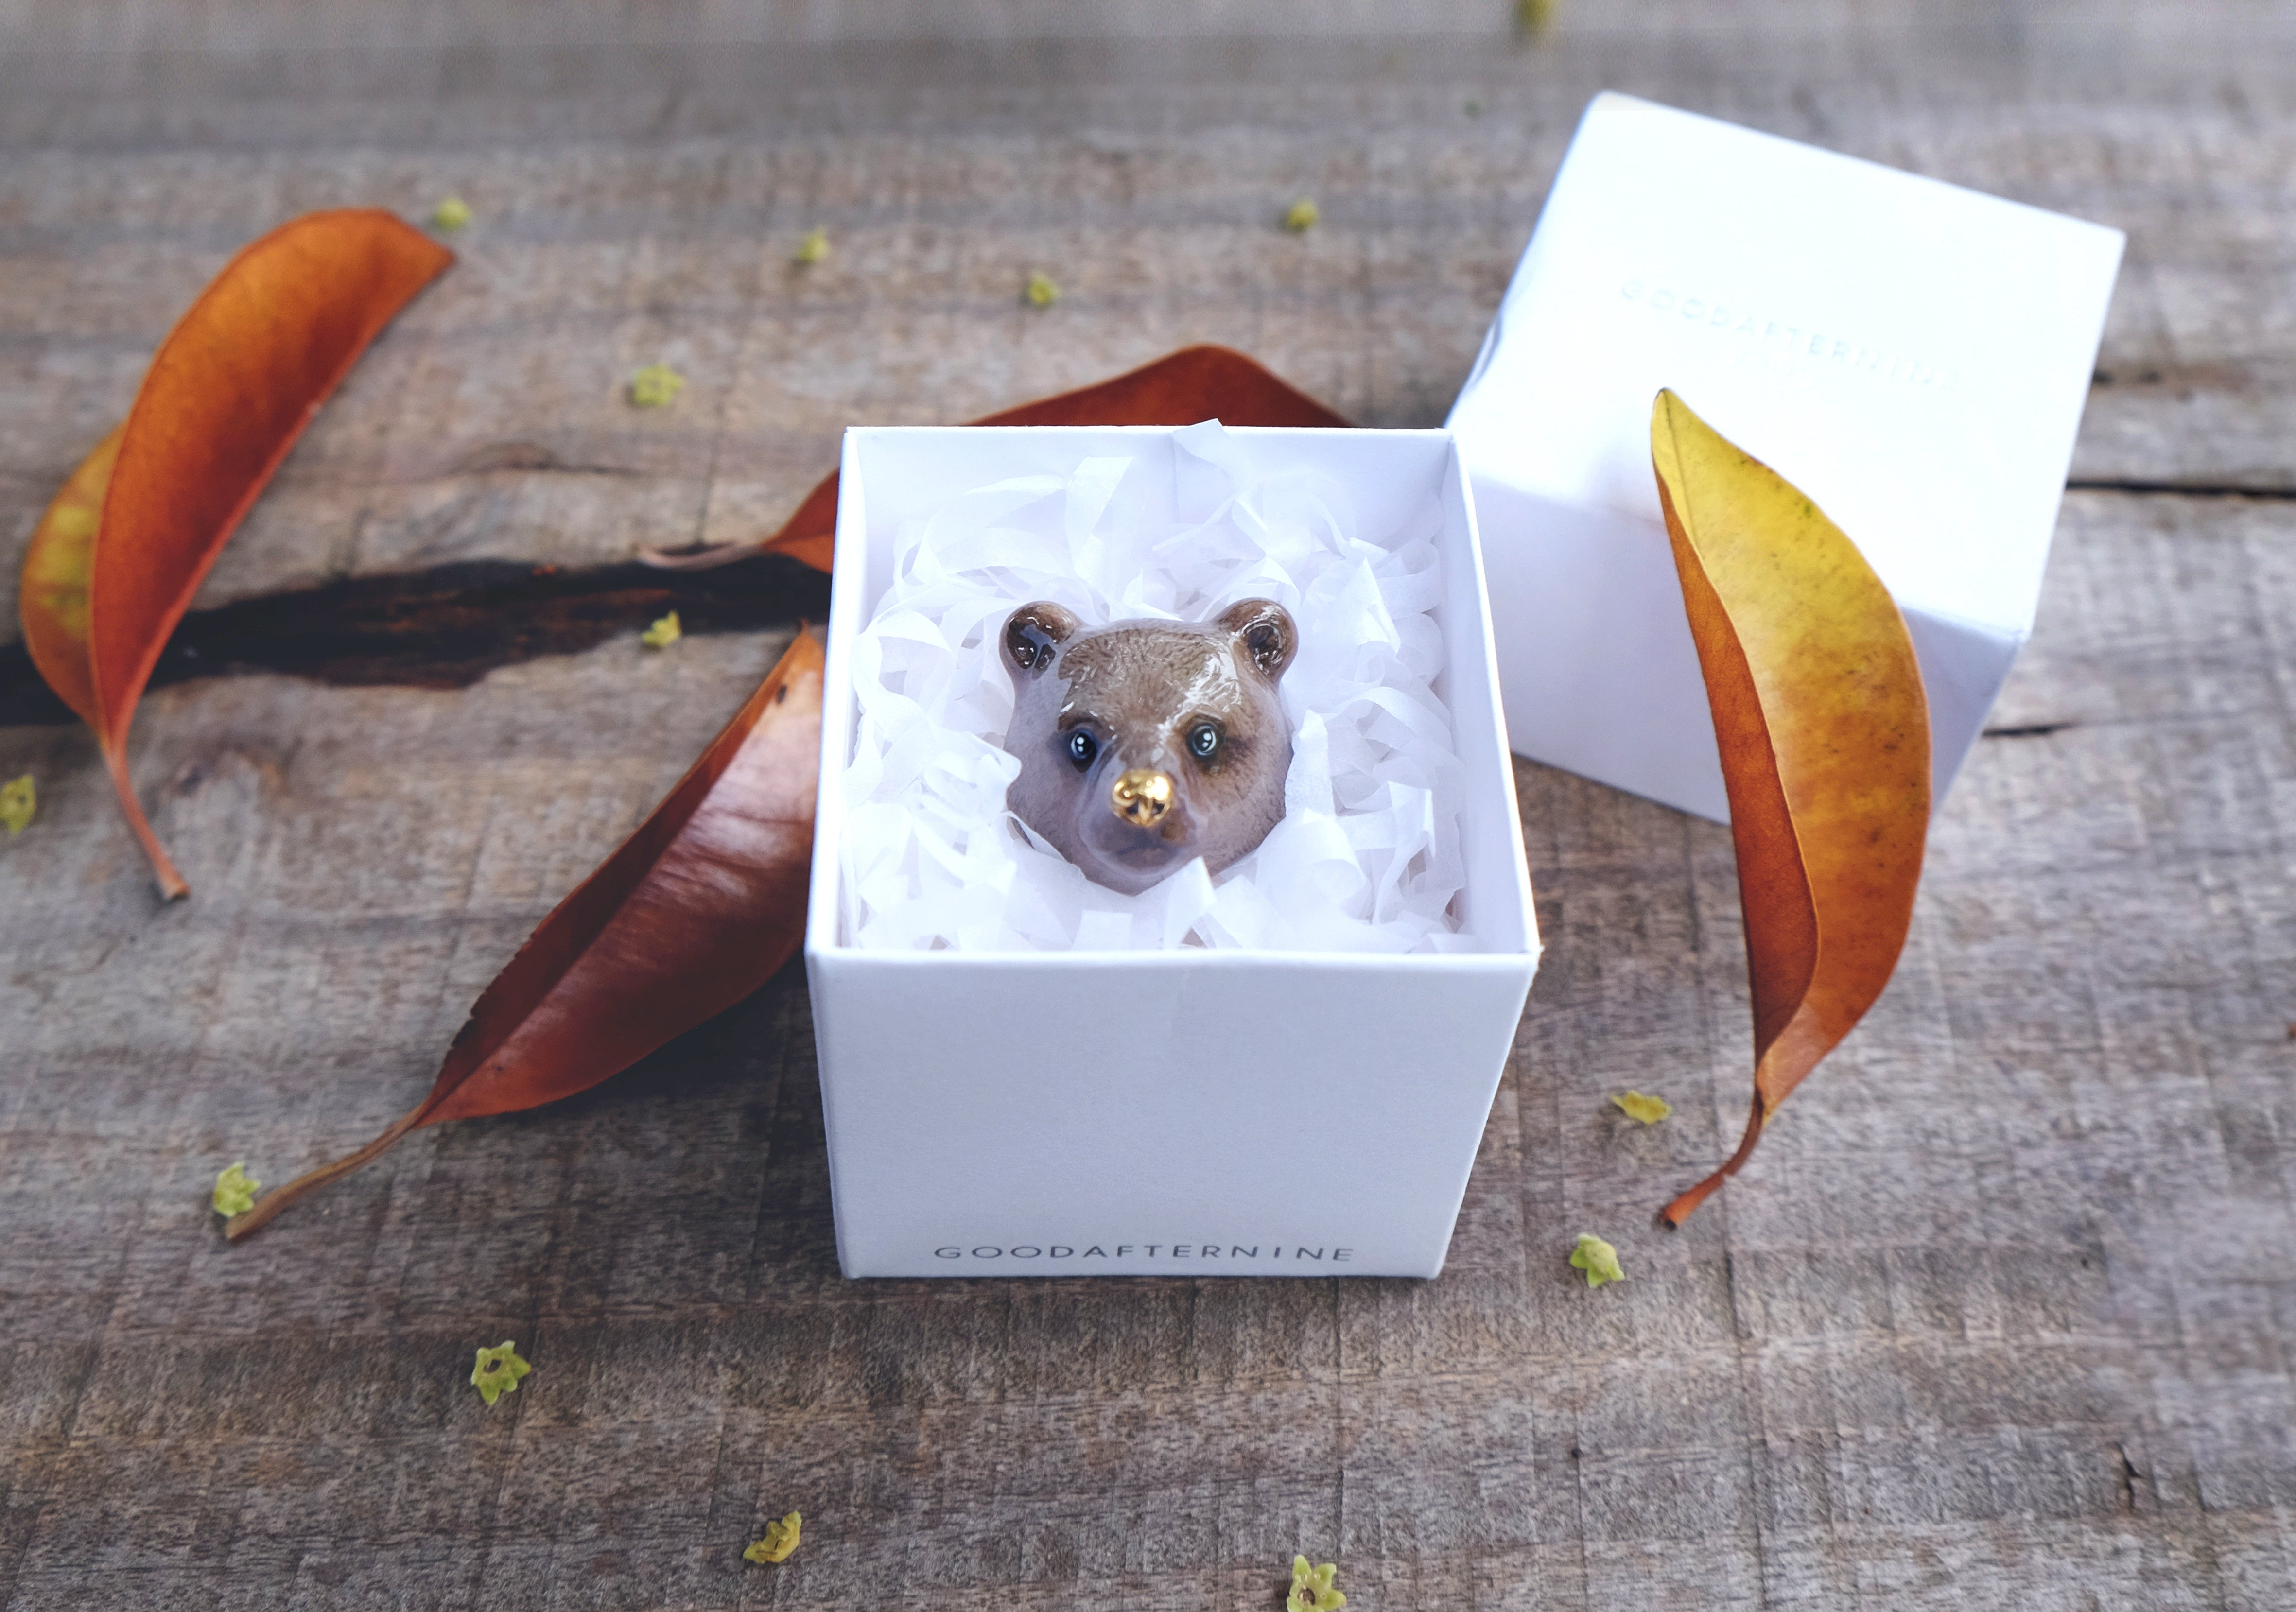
{"x":1144,"y":744}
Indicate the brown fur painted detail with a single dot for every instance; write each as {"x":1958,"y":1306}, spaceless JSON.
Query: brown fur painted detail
{"x":1144,"y":744}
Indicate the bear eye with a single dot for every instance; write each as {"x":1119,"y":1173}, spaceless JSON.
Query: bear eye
{"x":1203,"y":739}
{"x":1082,"y":747}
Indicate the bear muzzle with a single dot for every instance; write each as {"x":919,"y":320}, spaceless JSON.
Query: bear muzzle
{"x":1137,"y":828}
{"x":1141,"y":796}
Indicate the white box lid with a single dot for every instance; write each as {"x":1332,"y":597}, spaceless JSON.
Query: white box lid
{"x":1912,"y":354}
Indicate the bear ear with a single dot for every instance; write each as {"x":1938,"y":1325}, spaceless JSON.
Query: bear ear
{"x":1031,"y":632}
{"x":1263,"y":630}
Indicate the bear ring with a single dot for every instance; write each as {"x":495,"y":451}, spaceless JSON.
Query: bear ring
{"x":1144,"y":744}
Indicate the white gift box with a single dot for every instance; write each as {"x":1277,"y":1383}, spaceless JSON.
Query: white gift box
{"x":1184,"y":1111}
{"x":1913,"y":355}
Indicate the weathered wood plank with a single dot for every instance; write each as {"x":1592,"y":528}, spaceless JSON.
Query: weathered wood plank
{"x":2000,"y":1316}
{"x":666,"y":233}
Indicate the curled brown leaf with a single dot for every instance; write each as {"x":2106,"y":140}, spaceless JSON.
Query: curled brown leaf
{"x":115,"y":560}
{"x":693,"y":911}
{"x":1824,"y":736}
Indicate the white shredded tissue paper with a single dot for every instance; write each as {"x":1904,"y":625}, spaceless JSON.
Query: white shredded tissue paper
{"x":1367,"y":855}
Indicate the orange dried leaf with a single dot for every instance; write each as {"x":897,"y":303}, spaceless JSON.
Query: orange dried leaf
{"x":1824,"y":738}
{"x":693,"y":911}
{"x":118,"y":556}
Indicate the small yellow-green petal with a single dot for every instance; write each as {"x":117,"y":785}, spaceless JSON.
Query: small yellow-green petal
{"x":1597,"y":1259}
{"x":662,"y":634}
{"x":18,"y":801}
{"x":1042,"y":291}
{"x":235,"y":1190}
{"x":1641,"y":1109}
{"x":1302,"y":216}
{"x":656,"y":386}
{"x":450,"y":214}
{"x":814,"y":248}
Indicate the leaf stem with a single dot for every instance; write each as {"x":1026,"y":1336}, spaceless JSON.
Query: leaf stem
{"x":1683,"y":1207}
{"x":172,"y":886}
{"x":282,"y":1198}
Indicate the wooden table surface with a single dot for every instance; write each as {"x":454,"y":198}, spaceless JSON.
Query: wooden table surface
{"x":2002,"y":1314}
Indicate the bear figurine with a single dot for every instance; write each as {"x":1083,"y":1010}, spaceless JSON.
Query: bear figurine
{"x":1144,"y":744}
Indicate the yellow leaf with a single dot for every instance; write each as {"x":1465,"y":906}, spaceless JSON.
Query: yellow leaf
{"x":498,"y":1371}
{"x":450,"y":214}
{"x":814,"y":248}
{"x":1597,"y":1259}
{"x":656,"y":386}
{"x":1042,"y":291}
{"x":663,"y":633}
{"x":780,"y":1540}
{"x":235,"y":1190}
{"x":1302,"y":216}
{"x":1824,"y":738}
{"x":1644,"y":1111}
{"x":1311,"y":1588}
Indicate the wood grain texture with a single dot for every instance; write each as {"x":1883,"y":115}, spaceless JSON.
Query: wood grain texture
{"x":2000,"y":1317}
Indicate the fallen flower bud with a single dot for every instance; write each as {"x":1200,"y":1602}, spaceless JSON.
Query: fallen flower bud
{"x":1302,"y":216}
{"x":780,"y":1540}
{"x":498,"y":1371}
{"x":1597,"y":1259}
{"x":18,"y":801}
{"x":814,"y":248}
{"x":656,"y":386}
{"x":1042,"y":291}
{"x":450,"y":214}
{"x":1311,"y":1588}
{"x":235,"y":1190}
{"x":1641,"y":1109}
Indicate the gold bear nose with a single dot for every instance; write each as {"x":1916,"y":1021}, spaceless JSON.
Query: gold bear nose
{"x":1141,"y":796}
